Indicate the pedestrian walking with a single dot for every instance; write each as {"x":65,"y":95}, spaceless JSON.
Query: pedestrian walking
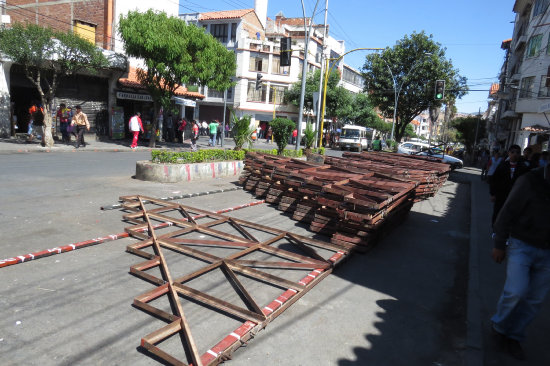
{"x":213,"y":129}
{"x":377,"y":144}
{"x":80,"y":121}
{"x":219,"y":134}
{"x":492,"y":165}
{"x":268,"y":134}
{"x":136,"y":127}
{"x":504,"y":178}
{"x":194,"y":135}
{"x":483,"y":163}
{"x":204,"y":129}
{"x":294,"y":135}
{"x":170,"y":128}
{"x":63,"y":115}
{"x":522,"y":233}
{"x":181,"y":130}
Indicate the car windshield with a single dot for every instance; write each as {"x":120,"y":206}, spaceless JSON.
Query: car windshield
{"x":350,"y":133}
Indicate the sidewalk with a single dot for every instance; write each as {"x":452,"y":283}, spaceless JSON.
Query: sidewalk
{"x":485,"y":284}
{"x":14,"y":145}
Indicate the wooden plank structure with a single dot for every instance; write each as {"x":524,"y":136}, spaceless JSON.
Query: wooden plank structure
{"x":183,"y":230}
{"x":356,"y":198}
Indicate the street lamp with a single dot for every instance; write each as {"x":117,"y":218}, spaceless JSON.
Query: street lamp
{"x":397,"y":89}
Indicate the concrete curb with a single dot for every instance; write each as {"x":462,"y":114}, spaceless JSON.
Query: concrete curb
{"x":173,"y":173}
{"x":474,"y":335}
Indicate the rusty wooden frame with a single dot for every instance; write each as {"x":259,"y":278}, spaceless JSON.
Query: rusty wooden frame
{"x":255,"y":317}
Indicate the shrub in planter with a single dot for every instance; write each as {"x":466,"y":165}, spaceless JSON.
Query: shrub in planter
{"x":282,"y":129}
{"x":242,"y":131}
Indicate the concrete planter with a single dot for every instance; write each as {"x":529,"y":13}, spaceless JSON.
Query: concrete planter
{"x":173,"y":173}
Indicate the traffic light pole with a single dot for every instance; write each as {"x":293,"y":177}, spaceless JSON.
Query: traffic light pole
{"x":304,"y":70}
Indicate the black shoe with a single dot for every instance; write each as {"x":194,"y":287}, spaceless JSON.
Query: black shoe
{"x":500,"y":338}
{"x":515,"y":349}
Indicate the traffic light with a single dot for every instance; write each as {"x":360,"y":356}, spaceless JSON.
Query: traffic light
{"x":439,"y":89}
{"x":259,"y":81}
{"x":286,"y":51}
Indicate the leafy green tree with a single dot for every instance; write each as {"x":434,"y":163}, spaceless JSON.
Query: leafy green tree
{"x":47,"y":56}
{"x":242,"y":131}
{"x":339,"y":99}
{"x":466,"y":130}
{"x":363,"y":114}
{"x":416,"y":62}
{"x":282,"y":129}
{"x":174,"y":54}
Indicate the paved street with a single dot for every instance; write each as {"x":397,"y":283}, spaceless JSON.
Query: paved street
{"x":402,"y":303}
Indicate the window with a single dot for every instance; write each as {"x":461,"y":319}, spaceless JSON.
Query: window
{"x":352,"y":77}
{"x":233,"y":32}
{"x":277,"y":92}
{"x":212,"y":93}
{"x":219,"y":31}
{"x":258,"y":62}
{"x":533,"y":49}
{"x":254,"y":95}
{"x":540,"y":7}
{"x":544,"y":91}
{"x":276,"y":67}
{"x":526,"y":88}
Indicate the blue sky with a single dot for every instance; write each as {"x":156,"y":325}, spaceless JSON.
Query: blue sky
{"x":471,"y":30}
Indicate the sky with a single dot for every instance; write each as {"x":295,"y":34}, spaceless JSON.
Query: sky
{"x":470,"y":30}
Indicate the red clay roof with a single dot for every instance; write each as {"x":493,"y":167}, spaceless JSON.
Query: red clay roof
{"x":225,"y":14}
{"x":494,"y":88}
{"x":132,"y":82}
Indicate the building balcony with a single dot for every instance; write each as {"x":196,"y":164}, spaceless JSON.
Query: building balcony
{"x":520,"y":42}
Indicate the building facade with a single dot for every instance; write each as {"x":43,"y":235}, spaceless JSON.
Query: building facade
{"x":522,"y":103}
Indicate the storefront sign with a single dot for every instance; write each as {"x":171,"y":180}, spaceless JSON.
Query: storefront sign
{"x":133,"y":96}
{"x":184,"y":102}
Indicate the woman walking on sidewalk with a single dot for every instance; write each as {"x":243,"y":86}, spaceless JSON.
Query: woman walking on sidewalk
{"x":136,"y":127}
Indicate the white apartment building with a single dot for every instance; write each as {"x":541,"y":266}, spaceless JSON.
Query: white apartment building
{"x":255,"y":39}
{"x":524,"y":96}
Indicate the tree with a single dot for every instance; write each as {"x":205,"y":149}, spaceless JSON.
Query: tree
{"x":363,"y":114}
{"x":339,"y":99}
{"x":466,"y":128}
{"x":48,"y":56}
{"x":282,"y":128}
{"x":416,"y":62}
{"x":174,"y":54}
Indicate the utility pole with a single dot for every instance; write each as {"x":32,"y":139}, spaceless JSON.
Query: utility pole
{"x":318,"y":106}
{"x":304,"y":70}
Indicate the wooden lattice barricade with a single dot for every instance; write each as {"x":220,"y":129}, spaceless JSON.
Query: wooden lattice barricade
{"x":255,"y":260}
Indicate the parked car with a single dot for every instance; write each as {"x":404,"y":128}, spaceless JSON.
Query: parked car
{"x":419,"y":148}
{"x":411,"y":147}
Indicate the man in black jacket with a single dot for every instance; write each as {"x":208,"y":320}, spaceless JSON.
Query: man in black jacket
{"x":524,"y":224}
{"x":504,"y":177}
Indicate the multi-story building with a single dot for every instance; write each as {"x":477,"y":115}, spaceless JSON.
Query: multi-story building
{"x":256,"y":41}
{"x":523,"y":99}
{"x":99,"y":95}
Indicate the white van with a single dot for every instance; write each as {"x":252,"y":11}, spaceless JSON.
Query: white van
{"x":355,"y":137}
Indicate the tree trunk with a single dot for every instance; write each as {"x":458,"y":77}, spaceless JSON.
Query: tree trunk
{"x":153,"y":140}
{"x":48,"y":138}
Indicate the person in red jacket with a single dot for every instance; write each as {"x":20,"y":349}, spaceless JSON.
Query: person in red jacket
{"x":135,"y":127}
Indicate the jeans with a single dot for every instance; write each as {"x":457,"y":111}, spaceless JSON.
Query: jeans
{"x":80,"y":135}
{"x":527,"y":283}
{"x":212,"y":141}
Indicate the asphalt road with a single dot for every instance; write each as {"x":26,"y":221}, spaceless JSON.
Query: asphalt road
{"x":403,"y":303}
